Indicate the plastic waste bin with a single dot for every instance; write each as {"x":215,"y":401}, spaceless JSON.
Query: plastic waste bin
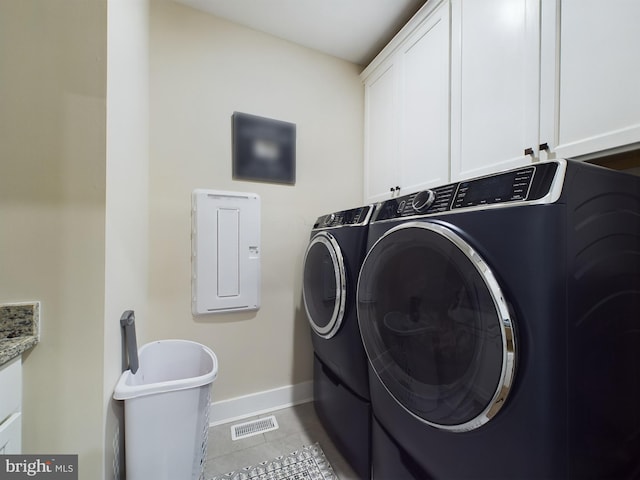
{"x":166,"y":410}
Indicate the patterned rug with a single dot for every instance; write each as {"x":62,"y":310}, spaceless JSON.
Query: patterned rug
{"x":308,"y":463}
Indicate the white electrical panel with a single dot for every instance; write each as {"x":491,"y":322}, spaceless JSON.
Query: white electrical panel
{"x":225,"y":251}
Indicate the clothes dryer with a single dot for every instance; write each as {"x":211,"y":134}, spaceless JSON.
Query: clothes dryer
{"x":500,"y":316}
{"x":341,"y":386}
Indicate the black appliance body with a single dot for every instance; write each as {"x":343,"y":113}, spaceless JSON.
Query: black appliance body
{"x":501,"y":319}
{"x":341,"y":386}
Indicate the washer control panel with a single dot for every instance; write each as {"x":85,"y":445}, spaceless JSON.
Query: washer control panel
{"x":518,"y":185}
{"x":427,"y":201}
{"x":352,"y":217}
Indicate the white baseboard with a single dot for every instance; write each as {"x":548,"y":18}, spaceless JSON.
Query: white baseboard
{"x":259,"y":403}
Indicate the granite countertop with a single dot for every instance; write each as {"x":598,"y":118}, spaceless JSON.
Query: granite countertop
{"x":19,"y":329}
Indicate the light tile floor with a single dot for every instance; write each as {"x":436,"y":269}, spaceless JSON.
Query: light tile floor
{"x":298,"y":426}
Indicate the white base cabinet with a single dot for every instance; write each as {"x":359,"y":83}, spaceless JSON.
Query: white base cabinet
{"x":10,"y":407}
{"x":11,"y":435}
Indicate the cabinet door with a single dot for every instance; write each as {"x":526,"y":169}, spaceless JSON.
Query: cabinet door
{"x":381,"y":152}
{"x":591,"y":76}
{"x":494,"y":84}
{"x":424,"y":105}
{"x":10,"y":406}
{"x":11,"y":435}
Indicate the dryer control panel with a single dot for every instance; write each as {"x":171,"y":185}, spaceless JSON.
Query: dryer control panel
{"x":518,"y":185}
{"x":507,"y":187}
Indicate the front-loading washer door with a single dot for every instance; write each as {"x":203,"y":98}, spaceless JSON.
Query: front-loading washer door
{"x":436,"y":326}
{"x":324,"y":289}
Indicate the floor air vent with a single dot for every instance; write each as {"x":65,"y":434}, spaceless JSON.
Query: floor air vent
{"x":254,"y":427}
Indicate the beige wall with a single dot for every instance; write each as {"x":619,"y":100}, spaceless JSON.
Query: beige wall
{"x":73,"y":210}
{"x":126,"y":225}
{"x":52,"y":213}
{"x":202,"y":70}
{"x":74,"y":201}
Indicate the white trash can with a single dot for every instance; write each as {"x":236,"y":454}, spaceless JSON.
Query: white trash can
{"x":166,"y":410}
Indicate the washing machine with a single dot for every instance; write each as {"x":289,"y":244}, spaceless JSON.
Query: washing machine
{"x":501,"y":319}
{"x":341,"y":387}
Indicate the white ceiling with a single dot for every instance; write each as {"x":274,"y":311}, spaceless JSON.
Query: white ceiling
{"x":354,"y":30}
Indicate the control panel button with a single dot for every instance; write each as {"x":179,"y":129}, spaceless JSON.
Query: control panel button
{"x":423,"y":200}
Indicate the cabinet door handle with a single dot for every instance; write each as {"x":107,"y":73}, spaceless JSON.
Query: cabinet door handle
{"x":397,"y":188}
{"x":528,"y":151}
{"x":544,"y":146}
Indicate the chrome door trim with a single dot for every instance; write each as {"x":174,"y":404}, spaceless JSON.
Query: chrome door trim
{"x":337,"y":259}
{"x":506,"y":327}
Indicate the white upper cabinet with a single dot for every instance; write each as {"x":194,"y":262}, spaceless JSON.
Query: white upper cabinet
{"x":424,"y":115}
{"x":407,"y":108}
{"x":494,"y":85}
{"x":529,"y":80}
{"x":381,"y":129}
{"x":590,"y":76}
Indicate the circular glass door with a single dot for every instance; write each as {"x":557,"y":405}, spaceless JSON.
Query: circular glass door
{"x":436,"y":326}
{"x":324,"y":285}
